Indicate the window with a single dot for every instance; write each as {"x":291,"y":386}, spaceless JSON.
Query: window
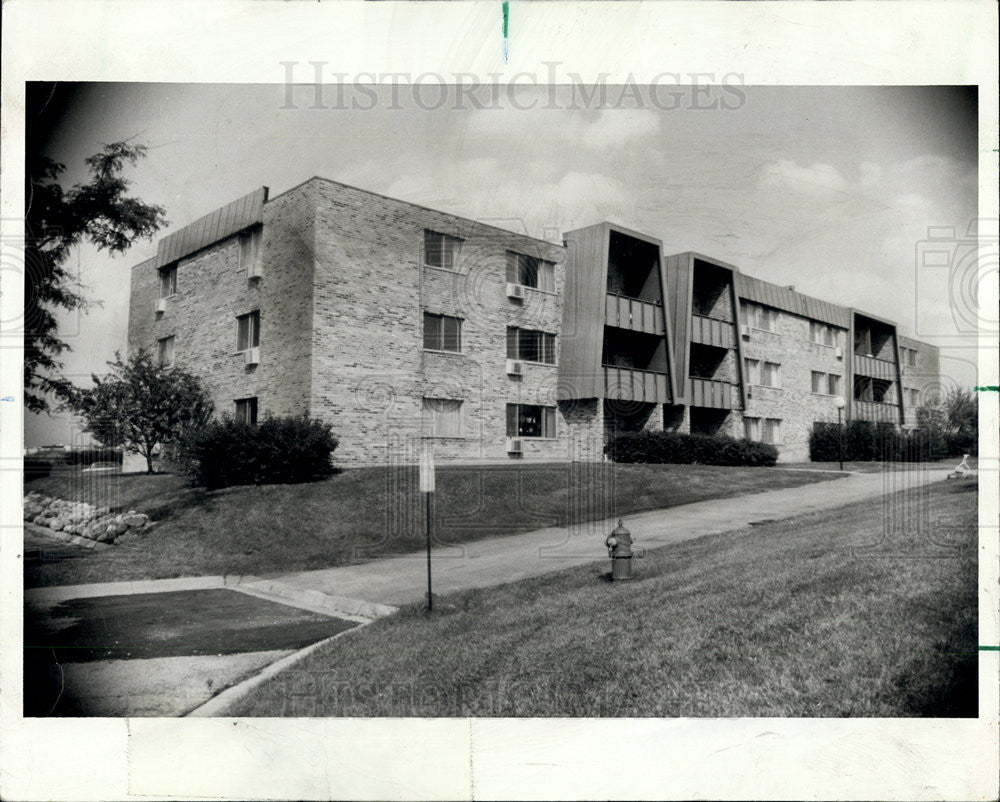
{"x":246,"y":411}
{"x":167,"y":352}
{"x":908,"y":356}
{"x":914,"y":398}
{"x":440,"y":250}
{"x":763,"y":374}
{"x":250,"y":252}
{"x":442,"y":417}
{"x":528,"y":420}
{"x":531,"y":345}
{"x":760,"y":317}
{"x":248,"y":331}
{"x":763,"y":430}
{"x":528,"y":271}
{"x":771,"y":430}
{"x":822,"y":334}
{"x":442,"y":333}
{"x":168,"y":281}
{"x":825,"y":383}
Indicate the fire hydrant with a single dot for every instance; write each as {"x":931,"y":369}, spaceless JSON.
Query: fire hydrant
{"x":619,"y":544}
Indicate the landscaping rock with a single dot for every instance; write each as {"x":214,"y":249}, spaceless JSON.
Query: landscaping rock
{"x":136,"y":519}
{"x":116,"y":529}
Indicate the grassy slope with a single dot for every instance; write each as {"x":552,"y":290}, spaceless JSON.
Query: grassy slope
{"x":819,"y":616}
{"x":367,"y":512}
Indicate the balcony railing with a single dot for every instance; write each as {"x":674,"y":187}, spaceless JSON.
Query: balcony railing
{"x":874,"y":367}
{"x":875,"y":411}
{"x":631,"y":313}
{"x":713,"y":394}
{"x":709,"y":331}
{"x":629,"y":384}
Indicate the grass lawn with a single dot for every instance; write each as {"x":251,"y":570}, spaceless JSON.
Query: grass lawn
{"x":849,"y":612}
{"x":365,"y":513}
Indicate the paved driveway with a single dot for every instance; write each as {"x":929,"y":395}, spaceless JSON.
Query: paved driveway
{"x":154,"y":654}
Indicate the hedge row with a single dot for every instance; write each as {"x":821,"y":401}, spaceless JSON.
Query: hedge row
{"x":276,"y":451}
{"x":865,"y":441}
{"x":687,"y":449}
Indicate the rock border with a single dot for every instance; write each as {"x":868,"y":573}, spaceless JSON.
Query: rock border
{"x":83,"y":520}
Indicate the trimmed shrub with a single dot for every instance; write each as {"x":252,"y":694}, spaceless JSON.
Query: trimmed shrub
{"x":688,"y":449}
{"x":865,"y":441}
{"x":277,"y":451}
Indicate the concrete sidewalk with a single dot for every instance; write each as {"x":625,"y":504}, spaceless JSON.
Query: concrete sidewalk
{"x":403,"y":580}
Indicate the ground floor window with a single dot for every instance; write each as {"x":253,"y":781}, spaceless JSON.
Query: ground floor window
{"x":166,"y":352}
{"x":530,"y":420}
{"x":442,"y":417}
{"x":246,"y":411}
{"x":763,"y":430}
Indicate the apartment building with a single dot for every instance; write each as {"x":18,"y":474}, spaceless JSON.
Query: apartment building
{"x":404,"y":326}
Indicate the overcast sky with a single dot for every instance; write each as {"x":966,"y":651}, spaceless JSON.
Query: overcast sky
{"x":829,"y":189}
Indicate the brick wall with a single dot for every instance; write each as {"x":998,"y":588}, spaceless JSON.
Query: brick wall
{"x":370,"y":372}
{"x":794,"y":403}
{"x":212,"y":291}
{"x":924,"y":377}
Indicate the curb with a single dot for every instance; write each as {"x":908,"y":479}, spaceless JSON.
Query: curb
{"x":312,"y":600}
{"x":59,"y":593}
{"x":217,"y":705}
{"x":75,"y":540}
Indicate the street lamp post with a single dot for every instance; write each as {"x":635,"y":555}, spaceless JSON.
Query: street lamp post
{"x":839,"y":404}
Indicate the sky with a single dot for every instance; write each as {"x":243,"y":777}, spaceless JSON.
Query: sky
{"x":831,"y":189}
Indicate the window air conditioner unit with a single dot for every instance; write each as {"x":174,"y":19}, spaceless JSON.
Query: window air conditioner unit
{"x":161,"y":305}
{"x":515,"y":291}
{"x":254,"y":270}
{"x":513,"y":367}
{"x":513,"y":445}
{"x":744,"y":330}
{"x":251,"y":356}
{"x":839,"y":353}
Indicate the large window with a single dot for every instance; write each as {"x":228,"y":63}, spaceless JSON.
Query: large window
{"x":822,"y":334}
{"x":246,"y":411}
{"x":763,"y":430}
{"x":760,"y":317}
{"x":248,"y":331}
{"x":250,"y":252}
{"x":442,"y":333}
{"x":763,"y":374}
{"x":825,"y":383}
{"x":529,"y":420}
{"x":168,"y":281}
{"x":166,"y":351}
{"x":440,"y":250}
{"x":442,"y":417}
{"x":529,"y":271}
{"x":530,"y":345}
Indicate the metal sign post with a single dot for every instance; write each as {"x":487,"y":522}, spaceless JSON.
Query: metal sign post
{"x":427,"y":488}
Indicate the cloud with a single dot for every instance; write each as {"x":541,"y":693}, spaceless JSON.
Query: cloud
{"x":816,"y":178}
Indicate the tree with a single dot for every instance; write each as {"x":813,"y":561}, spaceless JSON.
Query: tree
{"x":100,"y":212}
{"x":141,"y":404}
{"x":962,"y":414}
{"x":933,"y":422}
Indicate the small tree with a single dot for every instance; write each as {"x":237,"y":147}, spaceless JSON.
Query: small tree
{"x":962,"y":415}
{"x":141,"y":404}
{"x":933,"y":424}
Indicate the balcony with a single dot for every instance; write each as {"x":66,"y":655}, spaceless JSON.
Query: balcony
{"x":874,"y":367}
{"x":628,"y":384}
{"x":874,"y":411}
{"x":623,"y":312}
{"x":713,"y":394}
{"x":710,"y":331}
